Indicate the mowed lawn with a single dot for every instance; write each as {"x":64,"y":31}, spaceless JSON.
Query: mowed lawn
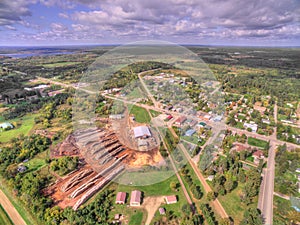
{"x":257,"y":142}
{"x":158,"y":189}
{"x":27,"y":123}
{"x":141,"y":115}
{"x":4,"y":218}
{"x":136,"y":218}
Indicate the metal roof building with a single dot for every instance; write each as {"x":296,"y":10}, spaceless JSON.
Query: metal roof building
{"x":6,"y":125}
{"x":190,"y":132}
{"x":141,"y":131}
{"x":135,"y":199}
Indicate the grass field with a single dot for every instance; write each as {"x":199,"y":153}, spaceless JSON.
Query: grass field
{"x":281,"y":209}
{"x":158,"y":189}
{"x":136,"y":218}
{"x":59,"y":64}
{"x":4,"y":218}
{"x":154,"y":113}
{"x":233,"y":204}
{"x":257,"y":142}
{"x":192,"y":139}
{"x":27,"y":123}
{"x":37,"y":162}
{"x":141,"y":115}
{"x":135,"y":93}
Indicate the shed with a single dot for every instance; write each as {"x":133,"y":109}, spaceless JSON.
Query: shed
{"x":162,"y":211}
{"x":121,"y":197}
{"x":171,"y":199}
{"x":135,"y":199}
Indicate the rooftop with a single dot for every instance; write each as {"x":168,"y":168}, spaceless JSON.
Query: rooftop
{"x":6,"y":125}
{"x":141,"y":131}
{"x":135,"y":196}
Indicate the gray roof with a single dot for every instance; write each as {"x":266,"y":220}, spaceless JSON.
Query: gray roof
{"x":141,"y":131}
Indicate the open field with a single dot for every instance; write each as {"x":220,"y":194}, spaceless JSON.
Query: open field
{"x":141,"y":115}
{"x":257,"y":142}
{"x":158,"y":189}
{"x":233,"y":204}
{"x":136,"y":218}
{"x":37,"y":162}
{"x":154,"y":113}
{"x":27,"y":123}
{"x":59,"y":64}
{"x":4,"y":218}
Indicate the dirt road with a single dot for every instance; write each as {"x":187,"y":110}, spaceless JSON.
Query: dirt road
{"x":151,"y":204}
{"x":10,"y":209}
{"x":216,"y":204}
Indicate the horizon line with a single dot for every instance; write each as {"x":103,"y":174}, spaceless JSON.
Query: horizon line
{"x":118,"y":44}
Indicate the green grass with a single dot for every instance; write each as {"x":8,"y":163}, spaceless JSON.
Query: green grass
{"x":233,"y":204}
{"x":59,"y":64}
{"x":4,"y":218}
{"x":37,"y":162}
{"x":19,"y":206}
{"x":27,"y":123}
{"x":136,"y":218}
{"x":158,"y":189}
{"x":141,"y":115}
{"x":192,"y":139}
{"x":250,"y":159}
{"x":135,"y":93}
{"x":257,"y":142}
{"x":281,"y":209}
{"x":154,"y":113}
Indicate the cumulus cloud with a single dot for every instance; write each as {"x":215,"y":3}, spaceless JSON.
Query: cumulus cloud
{"x":12,"y":11}
{"x":234,"y":18}
{"x":177,"y":20}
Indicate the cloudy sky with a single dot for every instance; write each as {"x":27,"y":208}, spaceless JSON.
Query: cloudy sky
{"x":213,"y":22}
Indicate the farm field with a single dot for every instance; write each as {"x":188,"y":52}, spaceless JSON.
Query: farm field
{"x":26,"y":124}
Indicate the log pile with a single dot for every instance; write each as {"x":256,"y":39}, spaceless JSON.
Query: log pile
{"x":76,"y":180}
{"x":97,"y":187}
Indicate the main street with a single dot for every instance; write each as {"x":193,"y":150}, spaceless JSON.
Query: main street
{"x":265,"y":202}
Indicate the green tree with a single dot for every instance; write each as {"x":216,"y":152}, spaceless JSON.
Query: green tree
{"x":228,"y":185}
{"x":252,"y":216}
{"x":211,"y":196}
{"x":173,"y":185}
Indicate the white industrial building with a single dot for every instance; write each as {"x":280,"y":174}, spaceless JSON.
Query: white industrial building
{"x":141,"y":132}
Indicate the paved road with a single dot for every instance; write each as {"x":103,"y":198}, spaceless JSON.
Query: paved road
{"x":265,"y":202}
{"x":10,"y":209}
